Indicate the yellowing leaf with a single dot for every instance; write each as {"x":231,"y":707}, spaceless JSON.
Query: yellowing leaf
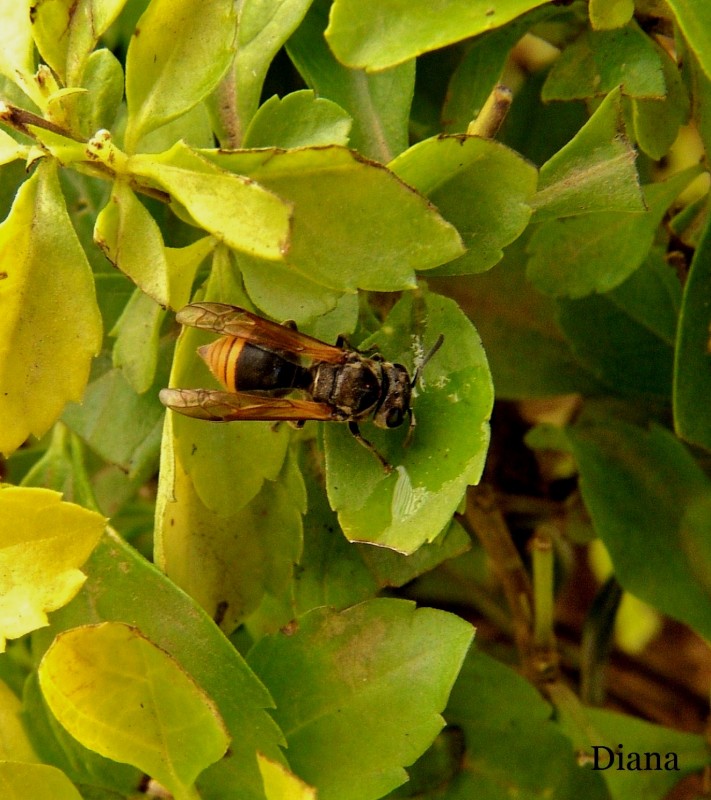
{"x":132,"y":241}
{"x":43,"y":542}
{"x":607,"y":14}
{"x":126,"y":699}
{"x":19,"y":781}
{"x":176,"y":57}
{"x":234,"y":558}
{"x":236,"y":210}
{"x":66,"y":31}
{"x":280,"y":784}
{"x":14,"y":744}
{"x":16,"y":46}
{"x":9,"y":149}
{"x":50,"y":325}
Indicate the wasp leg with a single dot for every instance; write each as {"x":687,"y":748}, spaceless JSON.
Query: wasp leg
{"x":344,"y":344}
{"x":297,"y":424}
{"x":355,"y":431}
{"x":411,"y":428}
{"x":290,"y":324}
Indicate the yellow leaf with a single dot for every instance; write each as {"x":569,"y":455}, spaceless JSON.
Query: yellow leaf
{"x":280,"y":784}
{"x":50,"y":325}
{"x":38,"y":781}
{"x":123,"y":697}
{"x":14,"y":744}
{"x":43,"y":542}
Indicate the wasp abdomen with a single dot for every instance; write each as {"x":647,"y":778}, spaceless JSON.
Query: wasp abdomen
{"x":244,"y":367}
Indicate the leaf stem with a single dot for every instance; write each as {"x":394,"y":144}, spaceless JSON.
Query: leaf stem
{"x":20,"y":119}
{"x":493,"y":114}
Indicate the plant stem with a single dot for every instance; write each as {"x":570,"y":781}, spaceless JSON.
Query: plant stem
{"x":542,"y":558}
{"x":484,"y":518}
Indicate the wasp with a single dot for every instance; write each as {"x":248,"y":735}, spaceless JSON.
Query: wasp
{"x":261,"y":363}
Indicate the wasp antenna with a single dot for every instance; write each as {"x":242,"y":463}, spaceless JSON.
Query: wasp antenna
{"x":435,"y":347}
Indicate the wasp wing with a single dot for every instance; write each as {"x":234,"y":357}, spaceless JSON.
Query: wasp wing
{"x":233,"y":321}
{"x":231,"y":406}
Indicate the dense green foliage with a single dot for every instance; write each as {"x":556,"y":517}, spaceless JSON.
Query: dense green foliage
{"x":218,"y":610}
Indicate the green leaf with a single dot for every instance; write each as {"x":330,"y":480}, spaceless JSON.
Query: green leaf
{"x":124,"y":587}
{"x":626,"y":337}
{"x":688,"y":225}
{"x":332,"y":571}
{"x":121,"y":426}
{"x":595,"y":252}
{"x":594,"y":172}
{"x":44,"y":542}
{"x":125,"y":698}
{"x":656,"y":122}
{"x":600,"y":61}
{"x":699,"y":83}
{"x":607,"y":14}
{"x":637,"y":487}
{"x":98,"y":106}
{"x":380,"y":35}
{"x":229,"y":561}
{"x":379,"y":104}
{"x":62,"y":468}
{"x":344,"y":684}
{"x":65,"y":32}
{"x":694,"y":19}
{"x":301,"y":119}
{"x":478,"y":185}
{"x":238,"y":211}
{"x":392,"y":569}
{"x":38,"y":781}
{"x":280,"y":784}
{"x":183,"y":264}
{"x":168,"y":68}
{"x":263,"y":27}
{"x":283,"y":293}
{"x":692,"y":377}
{"x":346,"y":207}
{"x":194,"y":128}
{"x":411,"y":505}
{"x":503,"y":720}
{"x":136,"y":350}
{"x":50,"y":326}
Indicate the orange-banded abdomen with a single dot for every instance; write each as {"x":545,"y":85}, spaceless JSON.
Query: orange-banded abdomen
{"x":241,"y":366}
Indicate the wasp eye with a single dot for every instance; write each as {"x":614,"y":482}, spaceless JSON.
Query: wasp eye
{"x":394,"y":417}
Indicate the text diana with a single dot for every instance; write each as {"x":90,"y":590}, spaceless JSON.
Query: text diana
{"x":607,"y":758}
